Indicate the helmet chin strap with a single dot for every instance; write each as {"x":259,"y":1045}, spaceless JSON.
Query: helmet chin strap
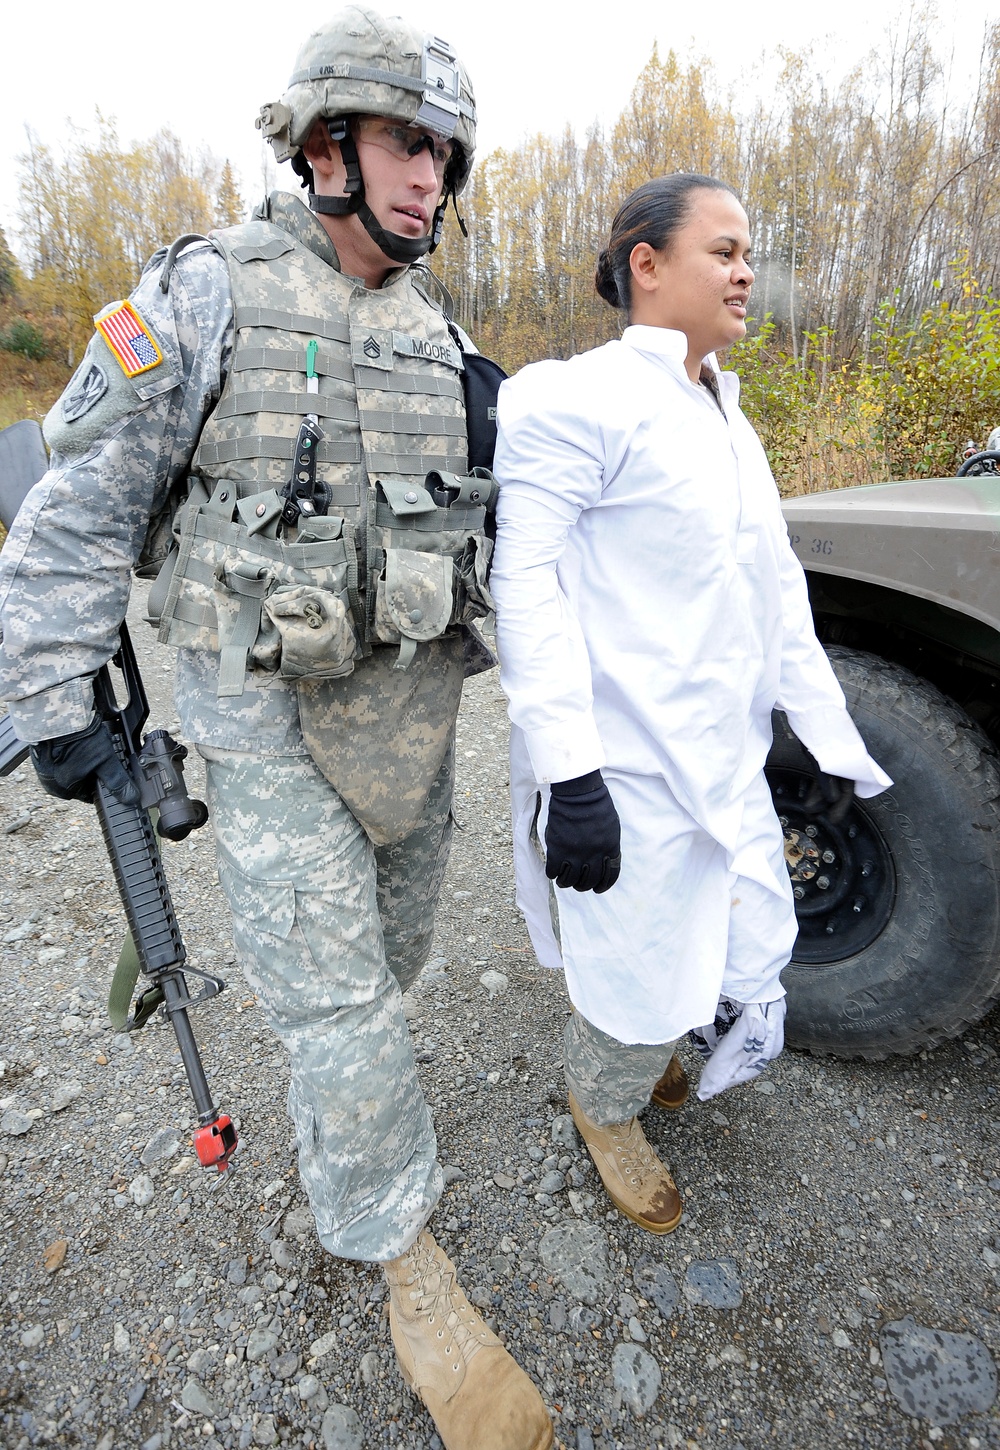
{"x":404,"y":250}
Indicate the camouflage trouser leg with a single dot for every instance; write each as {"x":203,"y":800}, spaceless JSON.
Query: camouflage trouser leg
{"x":610,"y":1080}
{"x":305,"y":886}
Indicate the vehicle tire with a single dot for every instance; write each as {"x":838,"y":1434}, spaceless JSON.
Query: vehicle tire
{"x":899,"y":906}
{"x":986,"y":462}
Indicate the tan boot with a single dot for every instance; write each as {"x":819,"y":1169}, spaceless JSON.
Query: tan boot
{"x":638,"y":1184}
{"x":478,"y":1397}
{"x":671,"y":1092}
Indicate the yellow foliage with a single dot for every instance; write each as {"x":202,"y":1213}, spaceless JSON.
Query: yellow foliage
{"x":92,"y":216}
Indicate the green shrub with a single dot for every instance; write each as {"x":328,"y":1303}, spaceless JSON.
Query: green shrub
{"x":24,"y":337}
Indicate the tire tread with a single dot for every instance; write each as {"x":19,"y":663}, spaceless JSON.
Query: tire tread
{"x":973,"y":757}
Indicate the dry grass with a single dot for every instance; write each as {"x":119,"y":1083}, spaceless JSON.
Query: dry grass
{"x":28,"y":389}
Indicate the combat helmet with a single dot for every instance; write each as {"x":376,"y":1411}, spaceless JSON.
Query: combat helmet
{"x":364,"y":64}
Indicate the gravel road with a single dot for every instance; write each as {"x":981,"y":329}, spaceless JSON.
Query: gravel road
{"x":835,"y":1279}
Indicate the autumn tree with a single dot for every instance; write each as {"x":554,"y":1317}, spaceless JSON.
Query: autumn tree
{"x":92,"y":216}
{"x":8,"y":270}
{"x":229,"y":207}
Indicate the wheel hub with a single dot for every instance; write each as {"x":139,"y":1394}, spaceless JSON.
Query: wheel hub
{"x":842,"y":875}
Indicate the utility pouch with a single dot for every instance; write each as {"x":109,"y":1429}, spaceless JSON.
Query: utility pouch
{"x":428,"y":558}
{"x":284,"y":605}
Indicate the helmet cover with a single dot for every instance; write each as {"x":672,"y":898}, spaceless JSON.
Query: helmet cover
{"x":364,"y":64}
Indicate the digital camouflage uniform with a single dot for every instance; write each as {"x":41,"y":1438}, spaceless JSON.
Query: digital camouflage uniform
{"x":330,"y":927}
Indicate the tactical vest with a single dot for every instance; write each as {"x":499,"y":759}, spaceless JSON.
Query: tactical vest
{"x":389,"y":562}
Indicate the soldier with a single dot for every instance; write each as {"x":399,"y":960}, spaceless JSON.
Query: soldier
{"x":262,"y":413}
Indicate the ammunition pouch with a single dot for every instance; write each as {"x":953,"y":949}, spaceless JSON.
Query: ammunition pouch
{"x":281,"y":607}
{"x":288,"y":607}
{"x":428,"y":558}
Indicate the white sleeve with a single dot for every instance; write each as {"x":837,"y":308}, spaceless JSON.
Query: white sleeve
{"x":810,"y":693}
{"x":550,"y":468}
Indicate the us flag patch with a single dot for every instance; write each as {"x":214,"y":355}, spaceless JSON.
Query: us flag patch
{"x":130,"y":340}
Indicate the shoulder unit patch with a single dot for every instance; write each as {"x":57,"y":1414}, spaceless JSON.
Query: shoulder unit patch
{"x":129,"y":339}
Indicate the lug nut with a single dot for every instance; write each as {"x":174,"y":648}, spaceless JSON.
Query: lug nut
{"x":829,"y":858}
{"x":867,"y":867}
{"x":823,"y":882}
{"x":798,"y":892}
{"x":811,"y":831}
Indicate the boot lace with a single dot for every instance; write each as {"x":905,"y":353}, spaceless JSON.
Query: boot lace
{"x":436,"y":1296}
{"x":636,"y":1158}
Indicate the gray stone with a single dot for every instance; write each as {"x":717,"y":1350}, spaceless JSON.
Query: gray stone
{"x":935,"y":1374}
{"x":636,"y":1376}
{"x":324,"y":1344}
{"x":563,"y":1131}
{"x":553,"y":1182}
{"x":264,"y":1432}
{"x":714,"y":1283}
{"x":656,"y":1283}
{"x":636,"y":1330}
{"x":368,"y":1368}
{"x":161,"y":1146}
{"x":260,"y":1343}
{"x":66,"y":1093}
{"x":140,"y":1190}
{"x":341,"y":1429}
{"x":452,"y":1174}
{"x":299,"y":1222}
{"x":286,"y":1364}
{"x":236,"y":1271}
{"x":308,"y":1387}
{"x":33,"y":1337}
{"x":202,"y":1361}
{"x":16,"y":1123}
{"x":494,"y":982}
{"x":195,"y":1397}
{"x":135,"y":1394}
{"x":281,"y":1254}
{"x":582,"y":1319}
{"x":577,"y":1254}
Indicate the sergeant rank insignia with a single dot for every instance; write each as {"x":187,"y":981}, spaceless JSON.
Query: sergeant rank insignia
{"x":129,"y":339}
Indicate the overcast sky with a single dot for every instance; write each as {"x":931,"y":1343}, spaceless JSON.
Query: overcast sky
{"x":204,"y":70}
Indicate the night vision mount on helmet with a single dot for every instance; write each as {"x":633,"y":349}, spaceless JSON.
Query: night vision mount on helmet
{"x":363,"y":64}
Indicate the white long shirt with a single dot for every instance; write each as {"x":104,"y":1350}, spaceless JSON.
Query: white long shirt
{"x":650,"y":610}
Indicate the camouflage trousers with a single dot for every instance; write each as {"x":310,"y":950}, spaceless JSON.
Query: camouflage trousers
{"x":609,"y":1079}
{"x":330,"y":931}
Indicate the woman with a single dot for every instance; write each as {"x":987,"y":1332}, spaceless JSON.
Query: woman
{"x":650,"y":615}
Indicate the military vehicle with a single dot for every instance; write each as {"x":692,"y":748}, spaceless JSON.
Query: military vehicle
{"x":899,"y":905}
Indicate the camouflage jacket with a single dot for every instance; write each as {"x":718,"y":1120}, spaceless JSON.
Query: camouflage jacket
{"x":122,"y":448}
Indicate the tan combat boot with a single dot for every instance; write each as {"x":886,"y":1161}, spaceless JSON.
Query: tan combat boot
{"x":671,"y":1092}
{"x":478,"y":1397}
{"x":638,"y":1184}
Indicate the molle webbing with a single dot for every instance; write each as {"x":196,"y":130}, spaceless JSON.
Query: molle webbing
{"x":449,"y":386}
{"x":285,"y":297}
{"x":285,"y":322}
{"x":287,"y":360}
{"x":344,"y":410}
{"x":233,"y":450}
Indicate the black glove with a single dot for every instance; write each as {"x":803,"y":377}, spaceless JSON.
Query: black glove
{"x":67,"y":766}
{"x":583,"y":839}
{"x":829,"y":795}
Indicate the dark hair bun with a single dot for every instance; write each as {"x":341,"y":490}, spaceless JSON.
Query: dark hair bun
{"x":604,"y":280}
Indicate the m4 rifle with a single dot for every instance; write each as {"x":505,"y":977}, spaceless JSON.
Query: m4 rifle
{"x":156,"y":766}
